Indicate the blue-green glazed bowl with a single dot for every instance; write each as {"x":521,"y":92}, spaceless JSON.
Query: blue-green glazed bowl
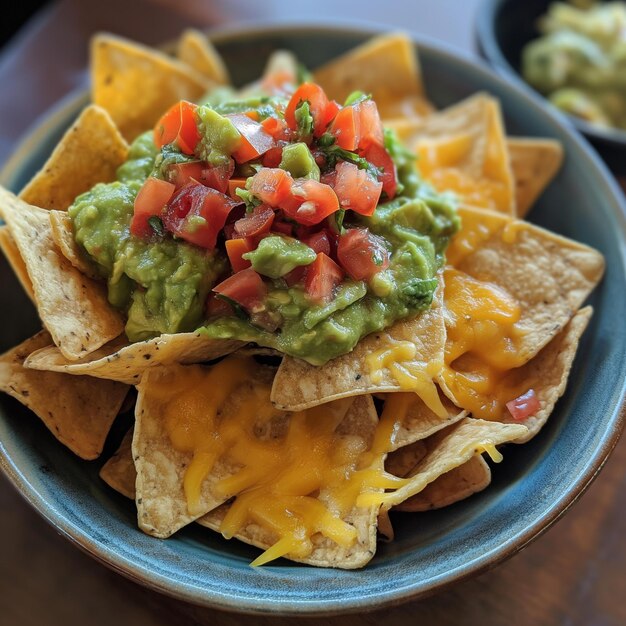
{"x":503,"y":28}
{"x":533,"y":486}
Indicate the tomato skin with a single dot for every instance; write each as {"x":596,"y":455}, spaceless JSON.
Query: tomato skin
{"x":282,"y":227}
{"x":235,"y":249}
{"x":362,"y":254}
{"x":273,"y":157}
{"x":277,"y":129}
{"x":524,"y":406}
{"x":255,"y":223}
{"x":272,"y":185}
{"x":356,"y":189}
{"x":310,"y":202}
{"x":318,"y":104}
{"x":178,"y":126}
{"x":233,"y":185}
{"x":246,"y":288}
{"x":319,"y":242}
{"x":295,"y":276}
{"x":254,"y":140}
{"x":346,"y":128}
{"x":197,"y":201}
{"x":378,"y":156}
{"x":370,"y":124}
{"x":150,"y":201}
{"x":322,"y":277}
{"x":218,"y":307}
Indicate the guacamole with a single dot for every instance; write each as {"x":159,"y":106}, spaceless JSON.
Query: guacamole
{"x":268,"y":220}
{"x":580,"y":61}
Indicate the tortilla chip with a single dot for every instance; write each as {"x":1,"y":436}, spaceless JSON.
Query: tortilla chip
{"x":463,"y":149}
{"x":457,"y":484}
{"x":535,"y":163}
{"x":63,"y":236}
{"x":90,"y":152}
{"x":299,"y":385}
{"x":72,"y":307}
{"x":161,"y":502}
{"x":550,"y":276}
{"x":360,"y":420}
{"x":548,"y":372}
{"x":402,"y":460}
{"x":161,"y":469}
{"x":400,"y":114}
{"x":119,"y":471}
{"x":137,"y":84}
{"x":450,"y":448}
{"x":77,"y":411}
{"x":126,"y":362}
{"x":13,"y":256}
{"x":385,"y":527}
{"x":196,"y":50}
{"x":386,"y":67}
{"x":420,"y":422}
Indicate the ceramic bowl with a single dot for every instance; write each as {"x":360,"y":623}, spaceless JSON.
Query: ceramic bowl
{"x":531,"y":489}
{"x":503,"y":28}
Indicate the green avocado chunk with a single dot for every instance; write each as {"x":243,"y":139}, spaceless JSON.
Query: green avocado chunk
{"x":219,"y":137}
{"x":299,"y":162}
{"x":276,"y":256}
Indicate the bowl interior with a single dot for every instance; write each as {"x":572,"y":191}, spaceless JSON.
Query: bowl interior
{"x":531,"y":488}
{"x":504,"y":27}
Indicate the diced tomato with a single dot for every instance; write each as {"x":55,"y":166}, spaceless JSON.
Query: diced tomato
{"x":319,"y":242}
{"x":524,"y":406}
{"x":235,"y":249}
{"x":295,"y":276}
{"x":331,"y":111}
{"x":233,"y":185}
{"x":254,"y":140}
{"x":371,"y":126}
{"x":278,"y":129}
{"x":178,"y":126}
{"x":272,"y":185}
{"x":329,"y":178}
{"x":198,"y":213}
{"x":362,"y":254}
{"x":346,"y":128}
{"x":218,"y":307}
{"x":273,"y":157}
{"x":378,"y":156}
{"x":246,"y":288}
{"x":253,"y":115}
{"x":255,"y":223}
{"x":356,"y":189}
{"x":310,"y":202}
{"x":318,"y":104}
{"x":218,"y":177}
{"x":322,"y":276}
{"x":283,"y":228}
{"x":150,"y":202}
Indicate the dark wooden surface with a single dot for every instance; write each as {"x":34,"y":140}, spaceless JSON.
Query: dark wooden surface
{"x":574,"y":575}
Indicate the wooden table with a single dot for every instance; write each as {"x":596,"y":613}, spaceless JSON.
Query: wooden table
{"x":574,"y":575}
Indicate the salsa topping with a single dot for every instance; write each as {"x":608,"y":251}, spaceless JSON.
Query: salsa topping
{"x":313,"y":217}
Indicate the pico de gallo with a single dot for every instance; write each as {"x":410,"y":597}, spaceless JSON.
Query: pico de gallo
{"x":286,"y":219}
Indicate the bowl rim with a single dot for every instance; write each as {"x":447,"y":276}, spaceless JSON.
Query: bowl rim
{"x":487,"y":43}
{"x":319,"y":607}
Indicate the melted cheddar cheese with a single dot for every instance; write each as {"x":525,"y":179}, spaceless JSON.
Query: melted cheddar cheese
{"x":293,"y":474}
{"x":441,"y":159}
